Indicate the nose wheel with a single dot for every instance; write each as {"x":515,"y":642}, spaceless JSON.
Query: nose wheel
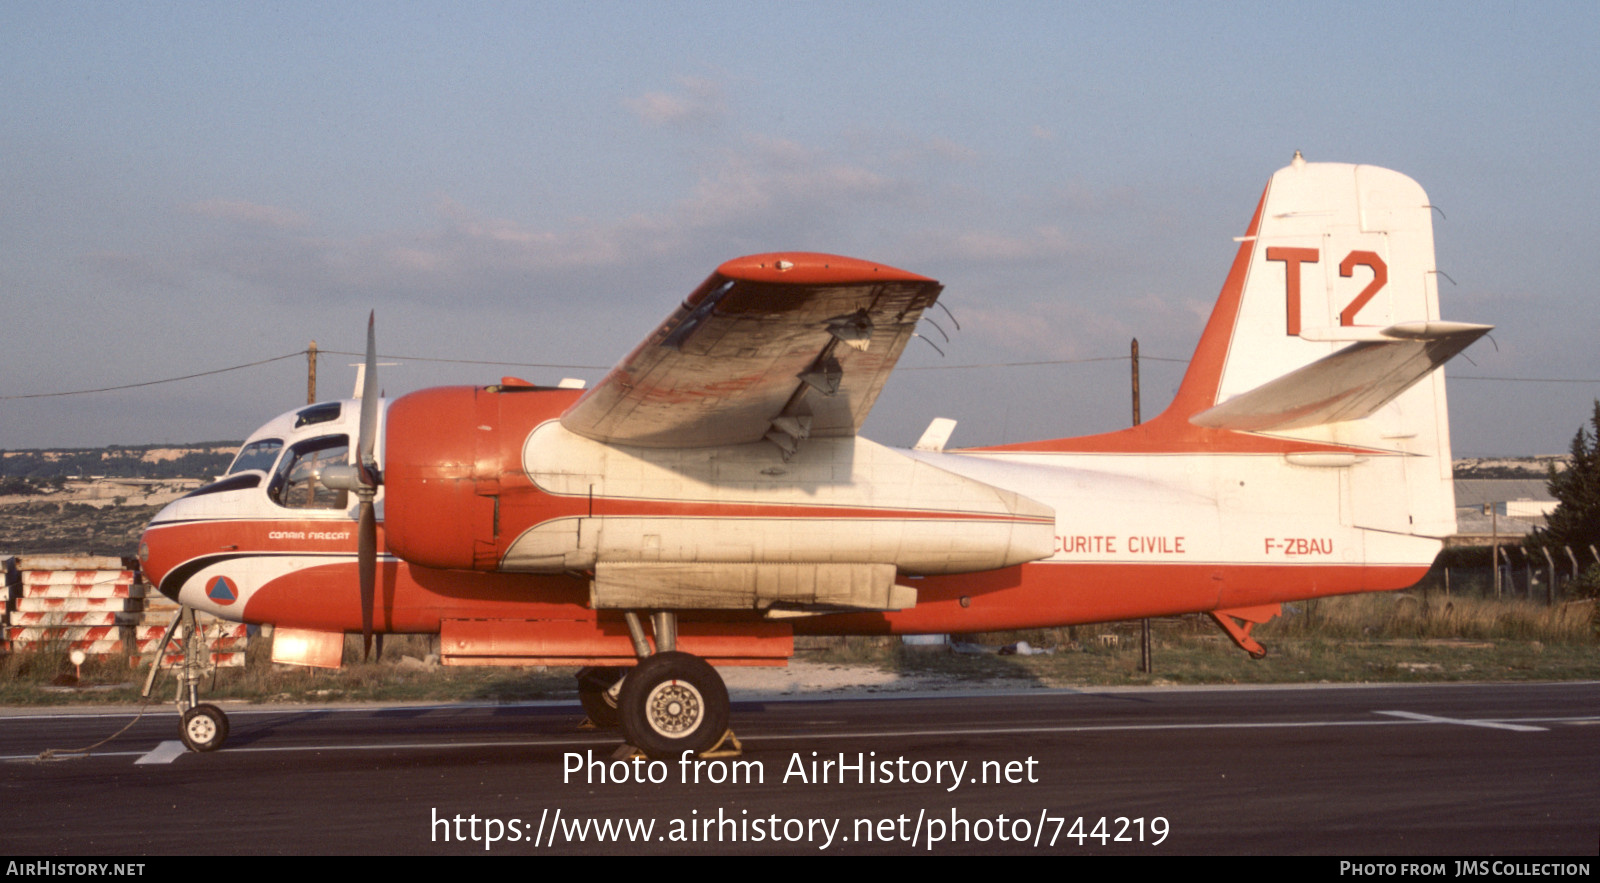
{"x":205,"y":727}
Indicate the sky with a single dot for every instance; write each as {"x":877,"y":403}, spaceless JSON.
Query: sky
{"x":194,"y":186}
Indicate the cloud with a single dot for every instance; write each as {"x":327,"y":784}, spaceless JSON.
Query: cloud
{"x":755,"y":193}
{"x":1039,"y":243}
{"x":136,"y":271}
{"x":696,"y":101}
{"x":954,"y":151}
{"x":775,"y":179}
{"x":1045,"y":330}
{"x":242,"y":212}
{"x":1079,"y":198}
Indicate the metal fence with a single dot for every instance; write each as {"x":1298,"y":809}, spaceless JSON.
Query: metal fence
{"x":1511,"y":572}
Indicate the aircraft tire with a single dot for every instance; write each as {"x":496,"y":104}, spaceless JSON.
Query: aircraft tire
{"x":594,"y":686}
{"x":672,"y":703}
{"x":204,"y":728}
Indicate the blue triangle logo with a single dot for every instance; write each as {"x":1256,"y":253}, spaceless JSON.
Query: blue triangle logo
{"x":221,"y":590}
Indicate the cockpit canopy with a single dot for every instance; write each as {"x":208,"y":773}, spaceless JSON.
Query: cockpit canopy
{"x":290,"y":452}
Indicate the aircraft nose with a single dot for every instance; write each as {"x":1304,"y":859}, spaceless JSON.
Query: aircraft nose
{"x":153,"y":564}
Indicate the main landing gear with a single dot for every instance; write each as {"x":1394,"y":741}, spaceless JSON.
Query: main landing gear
{"x":671,"y":702}
{"x":204,"y":726}
{"x":674,"y":702}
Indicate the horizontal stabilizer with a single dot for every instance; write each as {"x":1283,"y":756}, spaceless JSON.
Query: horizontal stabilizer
{"x":1349,"y":384}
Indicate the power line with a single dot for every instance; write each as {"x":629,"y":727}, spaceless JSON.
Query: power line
{"x":469,"y":361}
{"x":984,"y":365}
{"x":1530,"y":379}
{"x":81,"y":392}
{"x":1033,"y":364}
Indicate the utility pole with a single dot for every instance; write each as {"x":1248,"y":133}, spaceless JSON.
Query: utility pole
{"x":1494,"y":556}
{"x":1136,"y":420}
{"x":1145,"y":663}
{"x":311,"y":374}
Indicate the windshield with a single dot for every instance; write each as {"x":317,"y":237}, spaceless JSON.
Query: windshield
{"x":257,"y":455}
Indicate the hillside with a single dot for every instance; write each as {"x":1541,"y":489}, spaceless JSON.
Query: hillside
{"x":148,"y":462}
{"x":96,"y":501}
{"x":1509,"y":467}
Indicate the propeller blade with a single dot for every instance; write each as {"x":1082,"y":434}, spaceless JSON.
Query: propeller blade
{"x":366,"y":442}
{"x":367,"y":559}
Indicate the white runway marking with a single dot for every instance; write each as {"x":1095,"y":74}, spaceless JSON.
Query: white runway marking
{"x":166,"y":752}
{"x":1407,"y":718}
{"x":1435,"y":719}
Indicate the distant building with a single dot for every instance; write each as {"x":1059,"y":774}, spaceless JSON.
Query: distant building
{"x":1508,"y":507}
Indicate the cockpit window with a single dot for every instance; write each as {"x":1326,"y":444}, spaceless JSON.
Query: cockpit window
{"x":322,"y":413}
{"x":257,"y":455}
{"x":297,"y":483}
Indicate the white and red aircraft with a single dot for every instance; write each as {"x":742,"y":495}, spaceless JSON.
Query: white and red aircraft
{"x":710,"y":498}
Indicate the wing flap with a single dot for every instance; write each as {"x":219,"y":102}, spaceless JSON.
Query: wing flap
{"x":808,"y":338}
{"x":1349,"y":384}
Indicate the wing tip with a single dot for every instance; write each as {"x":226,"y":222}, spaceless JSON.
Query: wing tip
{"x":812,"y":268}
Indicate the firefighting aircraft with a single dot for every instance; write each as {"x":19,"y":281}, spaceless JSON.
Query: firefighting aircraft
{"x":710,"y":499}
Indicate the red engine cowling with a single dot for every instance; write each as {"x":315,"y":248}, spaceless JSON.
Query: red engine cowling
{"x":449,"y":452}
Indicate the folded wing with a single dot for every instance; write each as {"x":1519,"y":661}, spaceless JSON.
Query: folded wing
{"x":775,"y":346}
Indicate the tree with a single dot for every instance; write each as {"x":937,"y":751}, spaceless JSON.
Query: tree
{"x":1576,"y":519}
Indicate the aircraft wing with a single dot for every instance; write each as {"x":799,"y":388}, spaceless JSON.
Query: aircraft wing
{"x":776,"y":346}
{"x":1349,"y":384}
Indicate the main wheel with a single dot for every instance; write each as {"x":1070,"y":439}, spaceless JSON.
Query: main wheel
{"x":594,"y":691}
{"x":204,"y":728}
{"x":672,"y":703}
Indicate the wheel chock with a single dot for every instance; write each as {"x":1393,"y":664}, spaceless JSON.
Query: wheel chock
{"x":628,"y":752}
{"x":728,"y":746}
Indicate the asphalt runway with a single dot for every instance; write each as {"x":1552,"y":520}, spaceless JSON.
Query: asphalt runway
{"x":1503,"y":769}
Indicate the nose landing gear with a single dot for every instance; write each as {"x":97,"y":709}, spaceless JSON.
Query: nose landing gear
{"x":204,"y":726}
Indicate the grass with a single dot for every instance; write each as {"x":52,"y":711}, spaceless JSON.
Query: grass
{"x":47,"y":677}
{"x":1358,"y":638}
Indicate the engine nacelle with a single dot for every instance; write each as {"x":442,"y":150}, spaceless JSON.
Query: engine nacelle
{"x":448,"y":453}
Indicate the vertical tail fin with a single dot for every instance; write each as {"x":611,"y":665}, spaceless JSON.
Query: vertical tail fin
{"x":1328,"y":331}
{"x":1337,"y":255}
{"x":1323,"y":347}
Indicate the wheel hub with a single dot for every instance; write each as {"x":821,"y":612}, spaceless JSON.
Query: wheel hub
{"x":202,"y":728}
{"x":674,"y":708}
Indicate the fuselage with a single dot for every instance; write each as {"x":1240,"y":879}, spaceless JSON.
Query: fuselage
{"x":491,"y":510}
